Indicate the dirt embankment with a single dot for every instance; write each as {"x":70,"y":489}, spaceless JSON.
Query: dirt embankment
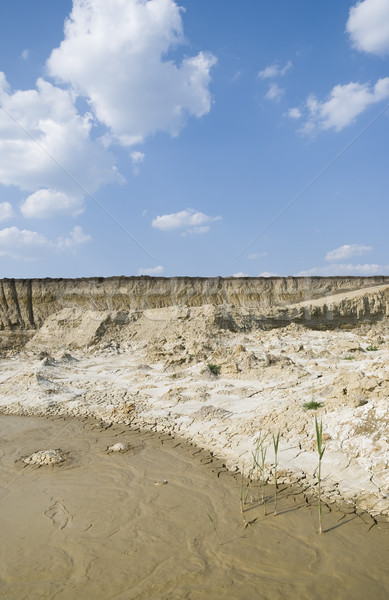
{"x":319,"y":302}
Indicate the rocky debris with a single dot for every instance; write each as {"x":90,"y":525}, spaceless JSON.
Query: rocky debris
{"x":118,"y":447}
{"x":44,"y":457}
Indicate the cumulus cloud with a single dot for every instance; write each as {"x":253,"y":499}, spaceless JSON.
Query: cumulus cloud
{"x":294,"y":113}
{"x":23,"y":244}
{"x":25,"y":54}
{"x":116,"y":55}
{"x":268,"y":274}
{"x":76,"y":238}
{"x":345,"y":269}
{"x":137,"y":158}
{"x":368,"y":26}
{"x":241,"y":274}
{"x":151,"y":271}
{"x":275,"y":92}
{"x":347,"y":251}
{"x":275,"y":70}
{"x":59,"y":143}
{"x":45,"y":204}
{"x":6,"y":211}
{"x":344,"y":104}
{"x":189,"y":220}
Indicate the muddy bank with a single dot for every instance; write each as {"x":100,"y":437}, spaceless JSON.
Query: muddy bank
{"x":136,"y":524}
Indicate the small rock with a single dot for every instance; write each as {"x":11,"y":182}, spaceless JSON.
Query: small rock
{"x":118,"y":447}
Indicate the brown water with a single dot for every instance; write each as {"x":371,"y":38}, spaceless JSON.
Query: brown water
{"x":98,"y":527}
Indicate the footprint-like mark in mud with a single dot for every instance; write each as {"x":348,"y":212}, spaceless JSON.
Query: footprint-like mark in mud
{"x":58,"y":515}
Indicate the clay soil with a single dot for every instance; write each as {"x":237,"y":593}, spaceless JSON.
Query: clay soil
{"x":162,"y":520}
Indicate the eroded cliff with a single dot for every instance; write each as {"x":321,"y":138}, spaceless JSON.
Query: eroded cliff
{"x":26,"y":303}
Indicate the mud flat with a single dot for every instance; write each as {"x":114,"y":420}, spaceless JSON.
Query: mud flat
{"x":135,"y":524}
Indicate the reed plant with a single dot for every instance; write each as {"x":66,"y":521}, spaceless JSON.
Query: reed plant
{"x":263,"y":459}
{"x":320,"y":450}
{"x":276,"y":441}
{"x":242,"y":496}
{"x":261,"y":450}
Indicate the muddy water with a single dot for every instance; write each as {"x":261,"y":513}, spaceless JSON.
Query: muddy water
{"x":106,"y":526}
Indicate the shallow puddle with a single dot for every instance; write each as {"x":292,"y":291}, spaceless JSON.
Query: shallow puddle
{"x":162,"y":522}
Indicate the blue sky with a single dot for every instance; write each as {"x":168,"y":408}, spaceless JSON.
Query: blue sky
{"x":164,"y":138}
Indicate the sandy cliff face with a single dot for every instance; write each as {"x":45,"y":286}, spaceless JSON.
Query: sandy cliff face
{"x":26,"y":304}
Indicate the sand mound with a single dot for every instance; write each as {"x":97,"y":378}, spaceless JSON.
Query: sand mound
{"x":44,"y":457}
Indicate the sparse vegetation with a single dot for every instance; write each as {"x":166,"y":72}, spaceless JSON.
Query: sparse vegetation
{"x":242,"y":496}
{"x":312,"y":405}
{"x":348,"y":357}
{"x":276,"y":441}
{"x":214,"y":369}
{"x":320,"y":450}
{"x":261,"y":449}
{"x":371,"y":348}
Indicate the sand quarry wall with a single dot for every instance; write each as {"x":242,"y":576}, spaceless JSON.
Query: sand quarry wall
{"x":25,"y":304}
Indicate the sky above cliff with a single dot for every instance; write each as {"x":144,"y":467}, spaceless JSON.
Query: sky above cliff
{"x":197,"y":137}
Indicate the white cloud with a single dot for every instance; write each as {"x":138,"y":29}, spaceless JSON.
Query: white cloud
{"x":343,"y":105}
{"x":45,"y":204}
{"x":345,"y":269}
{"x":6,"y":211}
{"x":115,"y":54}
{"x":255,"y":255}
{"x":137,"y":158}
{"x":190,"y":220}
{"x":22,"y":244}
{"x":275,"y":92}
{"x":294,"y":113}
{"x":275,"y":70}
{"x":241,"y":275}
{"x":25,"y":54}
{"x":347,"y":251}
{"x":49,"y":114}
{"x":152,"y":271}
{"x":268,"y":274}
{"x":76,"y":238}
{"x":368,"y":26}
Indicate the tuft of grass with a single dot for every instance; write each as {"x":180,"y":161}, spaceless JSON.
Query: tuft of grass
{"x":215,"y":369}
{"x":276,"y":441}
{"x":312,"y":405}
{"x":371,"y":348}
{"x":320,"y":450}
{"x":348,"y":357}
